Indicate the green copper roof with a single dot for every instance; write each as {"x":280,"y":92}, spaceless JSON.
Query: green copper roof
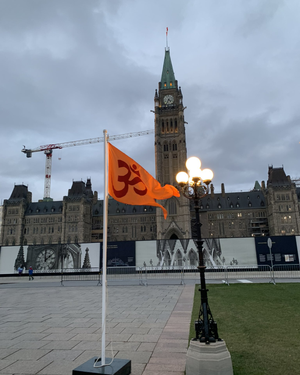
{"x":167,"y":76}
{"x":257,"y":186}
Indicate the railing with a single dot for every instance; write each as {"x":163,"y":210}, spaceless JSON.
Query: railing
{"x":126,"y":275}
{"x":286,"y":271}
{"x":169,"y":274}
{"x":246,"y":273}
{"x":227,"y":274}
{"x":114,"y":275}
{"x":262,"y":272}
{"x":211,"y":273}
{"x":81,"y":274}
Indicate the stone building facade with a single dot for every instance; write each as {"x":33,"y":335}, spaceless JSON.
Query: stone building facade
{"x":78,"y":218}
{"x":271,"y":210}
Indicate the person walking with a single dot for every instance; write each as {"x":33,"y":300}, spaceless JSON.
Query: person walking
{"x":30,"y":273}
{"x":20,"y":270}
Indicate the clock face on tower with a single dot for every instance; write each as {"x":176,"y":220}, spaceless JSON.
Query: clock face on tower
{"x":45,"y":259}
{"x":168,"y":99}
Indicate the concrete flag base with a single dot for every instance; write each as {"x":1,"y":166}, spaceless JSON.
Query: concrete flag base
{"x":118,"y":367}
{"x":208,"y":359}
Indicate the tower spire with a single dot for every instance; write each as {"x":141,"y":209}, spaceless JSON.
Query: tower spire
{"x":167,"y":76}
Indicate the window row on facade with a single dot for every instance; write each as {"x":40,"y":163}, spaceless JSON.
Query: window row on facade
{"x":169,"y":126}
{"x":43,"y":220}
{"x":222,"y":216}
{"x":283,"y":197}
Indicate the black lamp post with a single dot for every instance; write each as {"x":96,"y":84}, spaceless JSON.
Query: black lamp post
{"x":195,"y":185}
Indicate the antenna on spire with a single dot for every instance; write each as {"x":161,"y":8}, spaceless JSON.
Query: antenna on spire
{"x":167,"y":30}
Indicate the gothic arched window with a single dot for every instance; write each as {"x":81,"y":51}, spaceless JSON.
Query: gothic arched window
{"x":172,"y":207}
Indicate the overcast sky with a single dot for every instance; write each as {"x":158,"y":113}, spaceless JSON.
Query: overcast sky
{"x":72,"y":68}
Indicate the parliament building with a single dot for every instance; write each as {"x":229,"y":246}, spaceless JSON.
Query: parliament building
{"x":269,"y":209}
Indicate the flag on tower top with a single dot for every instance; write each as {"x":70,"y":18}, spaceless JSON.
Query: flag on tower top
{"x":167,"y":29}
{"x":130,"y":183}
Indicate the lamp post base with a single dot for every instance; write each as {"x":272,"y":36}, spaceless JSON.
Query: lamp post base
{"x":212,"y":359}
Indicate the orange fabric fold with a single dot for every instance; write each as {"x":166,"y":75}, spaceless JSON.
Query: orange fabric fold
{"x":130,"y":183}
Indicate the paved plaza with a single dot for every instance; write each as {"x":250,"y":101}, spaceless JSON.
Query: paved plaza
{"x":49,"y":329}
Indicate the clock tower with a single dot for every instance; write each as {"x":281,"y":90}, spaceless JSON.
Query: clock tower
{"x":170,"y":152}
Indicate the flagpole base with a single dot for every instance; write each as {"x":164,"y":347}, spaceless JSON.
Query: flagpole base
{"x":118,"y":367}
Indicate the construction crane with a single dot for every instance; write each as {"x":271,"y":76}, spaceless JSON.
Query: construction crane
{"x":48,"y":151}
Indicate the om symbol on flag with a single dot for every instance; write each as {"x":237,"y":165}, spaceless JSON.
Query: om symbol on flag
{"x":126,"y":180}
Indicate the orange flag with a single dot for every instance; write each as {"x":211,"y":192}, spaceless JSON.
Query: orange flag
{"x":129,"y":183}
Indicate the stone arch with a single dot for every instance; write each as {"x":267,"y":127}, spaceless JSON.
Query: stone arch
{"x":178,"y":258}
{"x":193,"y":258}
{"x":173,"y":234}
{"x":167,"y":260}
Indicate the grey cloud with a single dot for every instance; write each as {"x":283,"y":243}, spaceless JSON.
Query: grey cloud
{"x":73,"y":68}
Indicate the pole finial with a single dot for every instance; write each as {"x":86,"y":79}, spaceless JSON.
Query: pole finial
{"x":167,"y":31}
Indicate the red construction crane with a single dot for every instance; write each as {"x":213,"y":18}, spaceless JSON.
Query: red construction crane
{"x":48,"y":150}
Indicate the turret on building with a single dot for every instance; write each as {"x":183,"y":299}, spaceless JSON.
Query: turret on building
{"x":282,"y":203}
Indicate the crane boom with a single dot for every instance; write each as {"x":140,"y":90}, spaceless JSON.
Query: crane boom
{"x":53,"y":146}
{"x":48,"y":149}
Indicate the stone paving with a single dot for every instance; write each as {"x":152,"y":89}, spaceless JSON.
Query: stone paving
{"x":50,"y":329}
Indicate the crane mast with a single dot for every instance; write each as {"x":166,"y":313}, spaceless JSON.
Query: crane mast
{"x":48,"y":168}
{"x":48,"y":151}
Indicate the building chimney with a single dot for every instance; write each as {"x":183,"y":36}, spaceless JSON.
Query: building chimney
{"x":212,"y":190}
{"x":95,"y":197}
{"x":223,"y":190}
{"x":263,"y":185}
{"x":29,"y":196}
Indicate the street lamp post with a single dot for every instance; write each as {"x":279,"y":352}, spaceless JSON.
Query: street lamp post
{"x":195,"y":186}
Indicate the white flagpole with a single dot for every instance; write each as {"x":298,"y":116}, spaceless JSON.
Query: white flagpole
{"x":104,"y":258}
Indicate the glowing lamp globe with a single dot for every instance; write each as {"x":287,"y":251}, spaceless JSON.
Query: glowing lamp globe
{"x":182,"y":178}
{"x":195,"y":174}
{"x":207,"y":175}
{"x":193,"y":163}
